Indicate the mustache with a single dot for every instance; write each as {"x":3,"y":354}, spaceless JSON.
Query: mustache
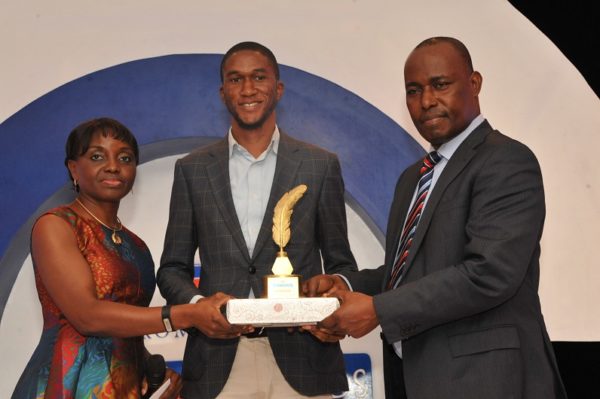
{"x":432,"y":115}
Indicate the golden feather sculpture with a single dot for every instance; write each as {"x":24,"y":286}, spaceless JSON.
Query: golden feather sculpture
{"x":282,"y":217}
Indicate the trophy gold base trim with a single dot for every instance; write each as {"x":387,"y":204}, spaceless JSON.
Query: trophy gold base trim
{"x":282,"y":312}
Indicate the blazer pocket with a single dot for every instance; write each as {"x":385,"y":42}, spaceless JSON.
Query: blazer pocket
{"x":503,"y":337}
{"x":486,"y":364}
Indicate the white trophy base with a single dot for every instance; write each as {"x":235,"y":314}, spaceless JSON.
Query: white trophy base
{"x":273,"y":312}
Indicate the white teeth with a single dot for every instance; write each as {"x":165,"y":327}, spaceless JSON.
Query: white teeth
{"x":249,"y":105}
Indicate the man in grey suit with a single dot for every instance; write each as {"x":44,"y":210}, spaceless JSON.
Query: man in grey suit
{"x":457,"y":298}
{"x":222,"y":205}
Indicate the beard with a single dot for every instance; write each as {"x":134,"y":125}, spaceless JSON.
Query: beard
{"x":254,"y":125}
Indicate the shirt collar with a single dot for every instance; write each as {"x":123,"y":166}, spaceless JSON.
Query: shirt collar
{"x":447,"y":149}
{"x":274,"y":144}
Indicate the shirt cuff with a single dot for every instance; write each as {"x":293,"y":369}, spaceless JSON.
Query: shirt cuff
{"x":196,"y":298}
{"x":345,"y":280}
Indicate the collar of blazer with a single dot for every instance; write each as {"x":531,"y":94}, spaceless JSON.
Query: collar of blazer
{"x":289,"y":158}
{"x":460,"y":159}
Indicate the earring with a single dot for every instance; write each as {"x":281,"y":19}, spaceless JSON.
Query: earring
{"x":75,"y":185}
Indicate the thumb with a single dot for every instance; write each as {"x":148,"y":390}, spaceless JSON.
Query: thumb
{"x":341,"y":295}
{"x":327,"y":323}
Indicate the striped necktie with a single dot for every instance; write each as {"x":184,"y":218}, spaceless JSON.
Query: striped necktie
{"x":410,"y":226}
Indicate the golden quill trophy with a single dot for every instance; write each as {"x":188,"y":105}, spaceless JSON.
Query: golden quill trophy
{"x":282,"y":283}
{"x":281,"y":305}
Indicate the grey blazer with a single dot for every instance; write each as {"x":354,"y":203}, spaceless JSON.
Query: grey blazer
{"x":202,"y":216}
{"x":467,"y":310}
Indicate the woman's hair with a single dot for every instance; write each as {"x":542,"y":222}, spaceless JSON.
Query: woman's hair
{"x":79,"y":139}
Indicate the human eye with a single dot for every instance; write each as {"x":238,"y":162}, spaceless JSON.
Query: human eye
{"x":96,"y":156}
{"x":412,"y":90}
{"x":441,"y":84}
{"x":259,"y":77}
{"x":126,"y":158}
{"x":235,"y":79}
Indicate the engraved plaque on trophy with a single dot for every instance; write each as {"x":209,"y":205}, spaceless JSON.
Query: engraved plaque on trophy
{"x":281,"y":304}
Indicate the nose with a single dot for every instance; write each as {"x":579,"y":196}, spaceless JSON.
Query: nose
{"x":248,"y":87}
{"x":428,"y":98}
{"x":112,"y":165}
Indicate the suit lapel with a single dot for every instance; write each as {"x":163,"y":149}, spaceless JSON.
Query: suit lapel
{"x":286,"y":169}
{"x":218,"y":175}
{"x":463,"y":155}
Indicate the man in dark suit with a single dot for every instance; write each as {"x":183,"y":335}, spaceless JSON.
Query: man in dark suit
{"x":457,"y":297}
{"x":222,"y":205}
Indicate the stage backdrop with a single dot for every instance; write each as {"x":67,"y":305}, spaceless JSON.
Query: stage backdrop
{"x":345,"y":93}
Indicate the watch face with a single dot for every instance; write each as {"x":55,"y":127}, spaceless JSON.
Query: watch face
{"x":165,"y":314}
{"x":167,"y":324}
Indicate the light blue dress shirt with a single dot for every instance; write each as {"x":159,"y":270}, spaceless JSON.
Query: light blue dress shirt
{"x":250,"y":180}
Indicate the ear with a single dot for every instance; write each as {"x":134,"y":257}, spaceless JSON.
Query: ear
{"x":476,"y":82}
{"x":221,"y":94}
{"x":280,"y":89}
{"x":72,"y":166}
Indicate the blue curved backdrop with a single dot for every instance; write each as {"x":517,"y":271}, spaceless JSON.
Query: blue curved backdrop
{"x":174,"y":97}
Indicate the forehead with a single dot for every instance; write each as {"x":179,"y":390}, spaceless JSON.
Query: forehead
{"x":436,"y":60}
{"x":247,"y":60}
{"x":107,"y":139}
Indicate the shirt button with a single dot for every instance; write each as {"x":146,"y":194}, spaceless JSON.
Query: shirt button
{"x":251,"y":269}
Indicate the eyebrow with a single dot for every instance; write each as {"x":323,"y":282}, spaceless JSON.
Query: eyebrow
{"x":432,"y":79}
{"x":121,"y":149}
{"x":439,"y":77}
{"x":235,"y":72}
{"x":95,"y":147}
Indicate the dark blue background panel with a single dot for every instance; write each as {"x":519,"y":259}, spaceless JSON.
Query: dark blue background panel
{"x":177,"y":96}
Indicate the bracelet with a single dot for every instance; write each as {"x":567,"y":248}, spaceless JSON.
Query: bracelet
{"x":165,"y":314}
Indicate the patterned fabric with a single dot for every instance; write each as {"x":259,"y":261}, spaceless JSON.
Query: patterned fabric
{"x":67,"y":364}
{"x":203,"y":215}
{"x":410,"y":226}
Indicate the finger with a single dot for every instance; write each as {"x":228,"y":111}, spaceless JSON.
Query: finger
{"x":310,"y":288}
{"x":220,"y":320}
{"x":221,"y":299}
{"x":246,"y":329}
{"x":336,"y":334}
{"x":341,"y":295}
{"x":324,"y":286}
{"x":325,"y":337}
{"x":328,"y":323}
{"x":309,"y":328}
{"x":324,"y":330}
{"x":305,"y":288}
{"x":219,"y":327}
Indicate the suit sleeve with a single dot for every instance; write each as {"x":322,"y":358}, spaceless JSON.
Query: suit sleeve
{"x":176,"y":272}
{"x":332,"y":227}
{"x":370,"y":281}
{"x":501,"y":238}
